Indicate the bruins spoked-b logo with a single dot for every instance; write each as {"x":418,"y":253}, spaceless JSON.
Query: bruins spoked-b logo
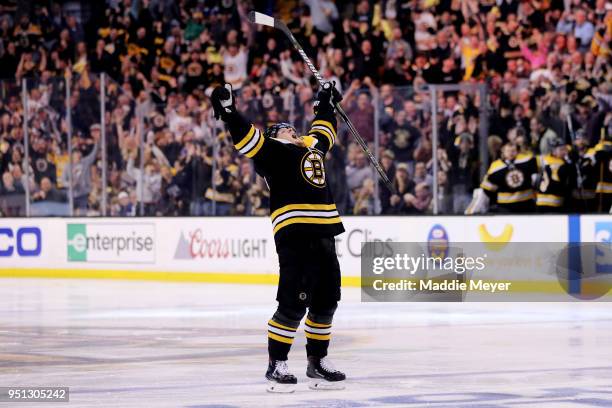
{"x":515,"y":178}
{"x":313,"y":169}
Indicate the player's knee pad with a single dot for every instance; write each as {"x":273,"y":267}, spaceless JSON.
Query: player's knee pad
{"x":289,"y":314}
{"x":322,"y":314}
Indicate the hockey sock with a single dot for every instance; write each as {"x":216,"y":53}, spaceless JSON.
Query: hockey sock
{"x":318,"y":334}
{"x":281,"y":332}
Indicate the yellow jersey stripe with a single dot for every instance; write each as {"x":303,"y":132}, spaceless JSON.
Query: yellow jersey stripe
{"x":313,"y":324}
{"x":549,"y":200}
{"x":496,"y":165}
{"x":254,"y":151}
{"x":326,"y":124}
{"x":487,"y":185}
{"x":516,"y":197}
{"x":318,"y":336}
{"x":546,"y":204}
{"x":290,"y":207}
{"x":306,"y":220}
{"x":550,"y":196}
{"x":246,"y":139}
{"x":309,"y":214}
{"x":603,"y":187}
{"x":280,"y":326}
{"x":280,"y":338}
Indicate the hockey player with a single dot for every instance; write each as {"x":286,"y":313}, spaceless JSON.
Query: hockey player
{"x":509,"y":181}
{"x":583,"y":195}
{"x":556,"y":179}
{"x":600,"y":164}
{"x":304,"y":222}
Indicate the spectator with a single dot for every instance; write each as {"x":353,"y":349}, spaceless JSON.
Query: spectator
{"x":463,"y":172}
{"x":365,"y":199}
{"x":403,"y":139}
{"x":222,"y":192}
{"x":360,"y":111}
{"x":419,"y":202}
{"x":421,"y":175}
{"x":404,"y":186}
{"x":388,"y":165}
{"x":398,"y":47}
{"x":544,"y":134}
{"x":81,"y":176}
{"x":583,"y":30}
{"x":148,"y":185}
{"x":74,"y":29}
{"x":10,"y":185}
{"x":323,"y":14}
{"x":235,"y":59}
{"x":48,"y":193}
{"x":358,"y":170}
{"x":125,"y":207}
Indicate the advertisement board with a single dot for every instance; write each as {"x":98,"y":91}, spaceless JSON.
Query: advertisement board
{"x":108,"y":242}
{"x":490,"y":231}
{"x":24,"y":242}
{"x":188,"y":248}
{"x":597,"y":229}
{"x":219,"y":244}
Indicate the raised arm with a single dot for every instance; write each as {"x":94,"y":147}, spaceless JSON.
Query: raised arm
{"x":132,"y":170}
{"x":247,"y":139}
{"x":91,"y":157}
{"x":322,"y":134}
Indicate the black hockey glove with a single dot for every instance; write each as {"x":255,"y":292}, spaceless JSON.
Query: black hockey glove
{"x":222,"y":100}
{"x":328,"y":96}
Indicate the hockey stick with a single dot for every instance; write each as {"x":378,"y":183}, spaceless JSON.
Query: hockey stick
{"x":268,"y":21}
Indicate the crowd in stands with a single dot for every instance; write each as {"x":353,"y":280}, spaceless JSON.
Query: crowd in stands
{"x":546,"y":65}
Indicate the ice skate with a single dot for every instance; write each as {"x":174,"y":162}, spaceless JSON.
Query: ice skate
{"x":280,"y":380}
{"x":323,"y":375}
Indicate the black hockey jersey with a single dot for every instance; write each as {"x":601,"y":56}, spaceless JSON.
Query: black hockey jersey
{"x":557,"y":178}
{"x":300,"y":199}
{"x":509,"y":182}
{"x":600,"y":158}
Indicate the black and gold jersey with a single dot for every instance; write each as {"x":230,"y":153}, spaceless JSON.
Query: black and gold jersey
{"x":556,"y":180}
{"x":300,"y":199}
{"x":510,"y":182}
{"x":600,"y":163}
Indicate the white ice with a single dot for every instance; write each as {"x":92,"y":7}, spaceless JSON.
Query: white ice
{"x":151,"y":344}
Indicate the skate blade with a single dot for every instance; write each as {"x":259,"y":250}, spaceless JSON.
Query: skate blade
{"x":275,"y":387}
{"x":320,"y":384}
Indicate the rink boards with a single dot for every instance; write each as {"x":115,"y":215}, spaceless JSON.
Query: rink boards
{"x":241,"y":249}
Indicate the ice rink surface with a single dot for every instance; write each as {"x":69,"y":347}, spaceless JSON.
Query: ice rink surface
{"x":151,"y":344}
